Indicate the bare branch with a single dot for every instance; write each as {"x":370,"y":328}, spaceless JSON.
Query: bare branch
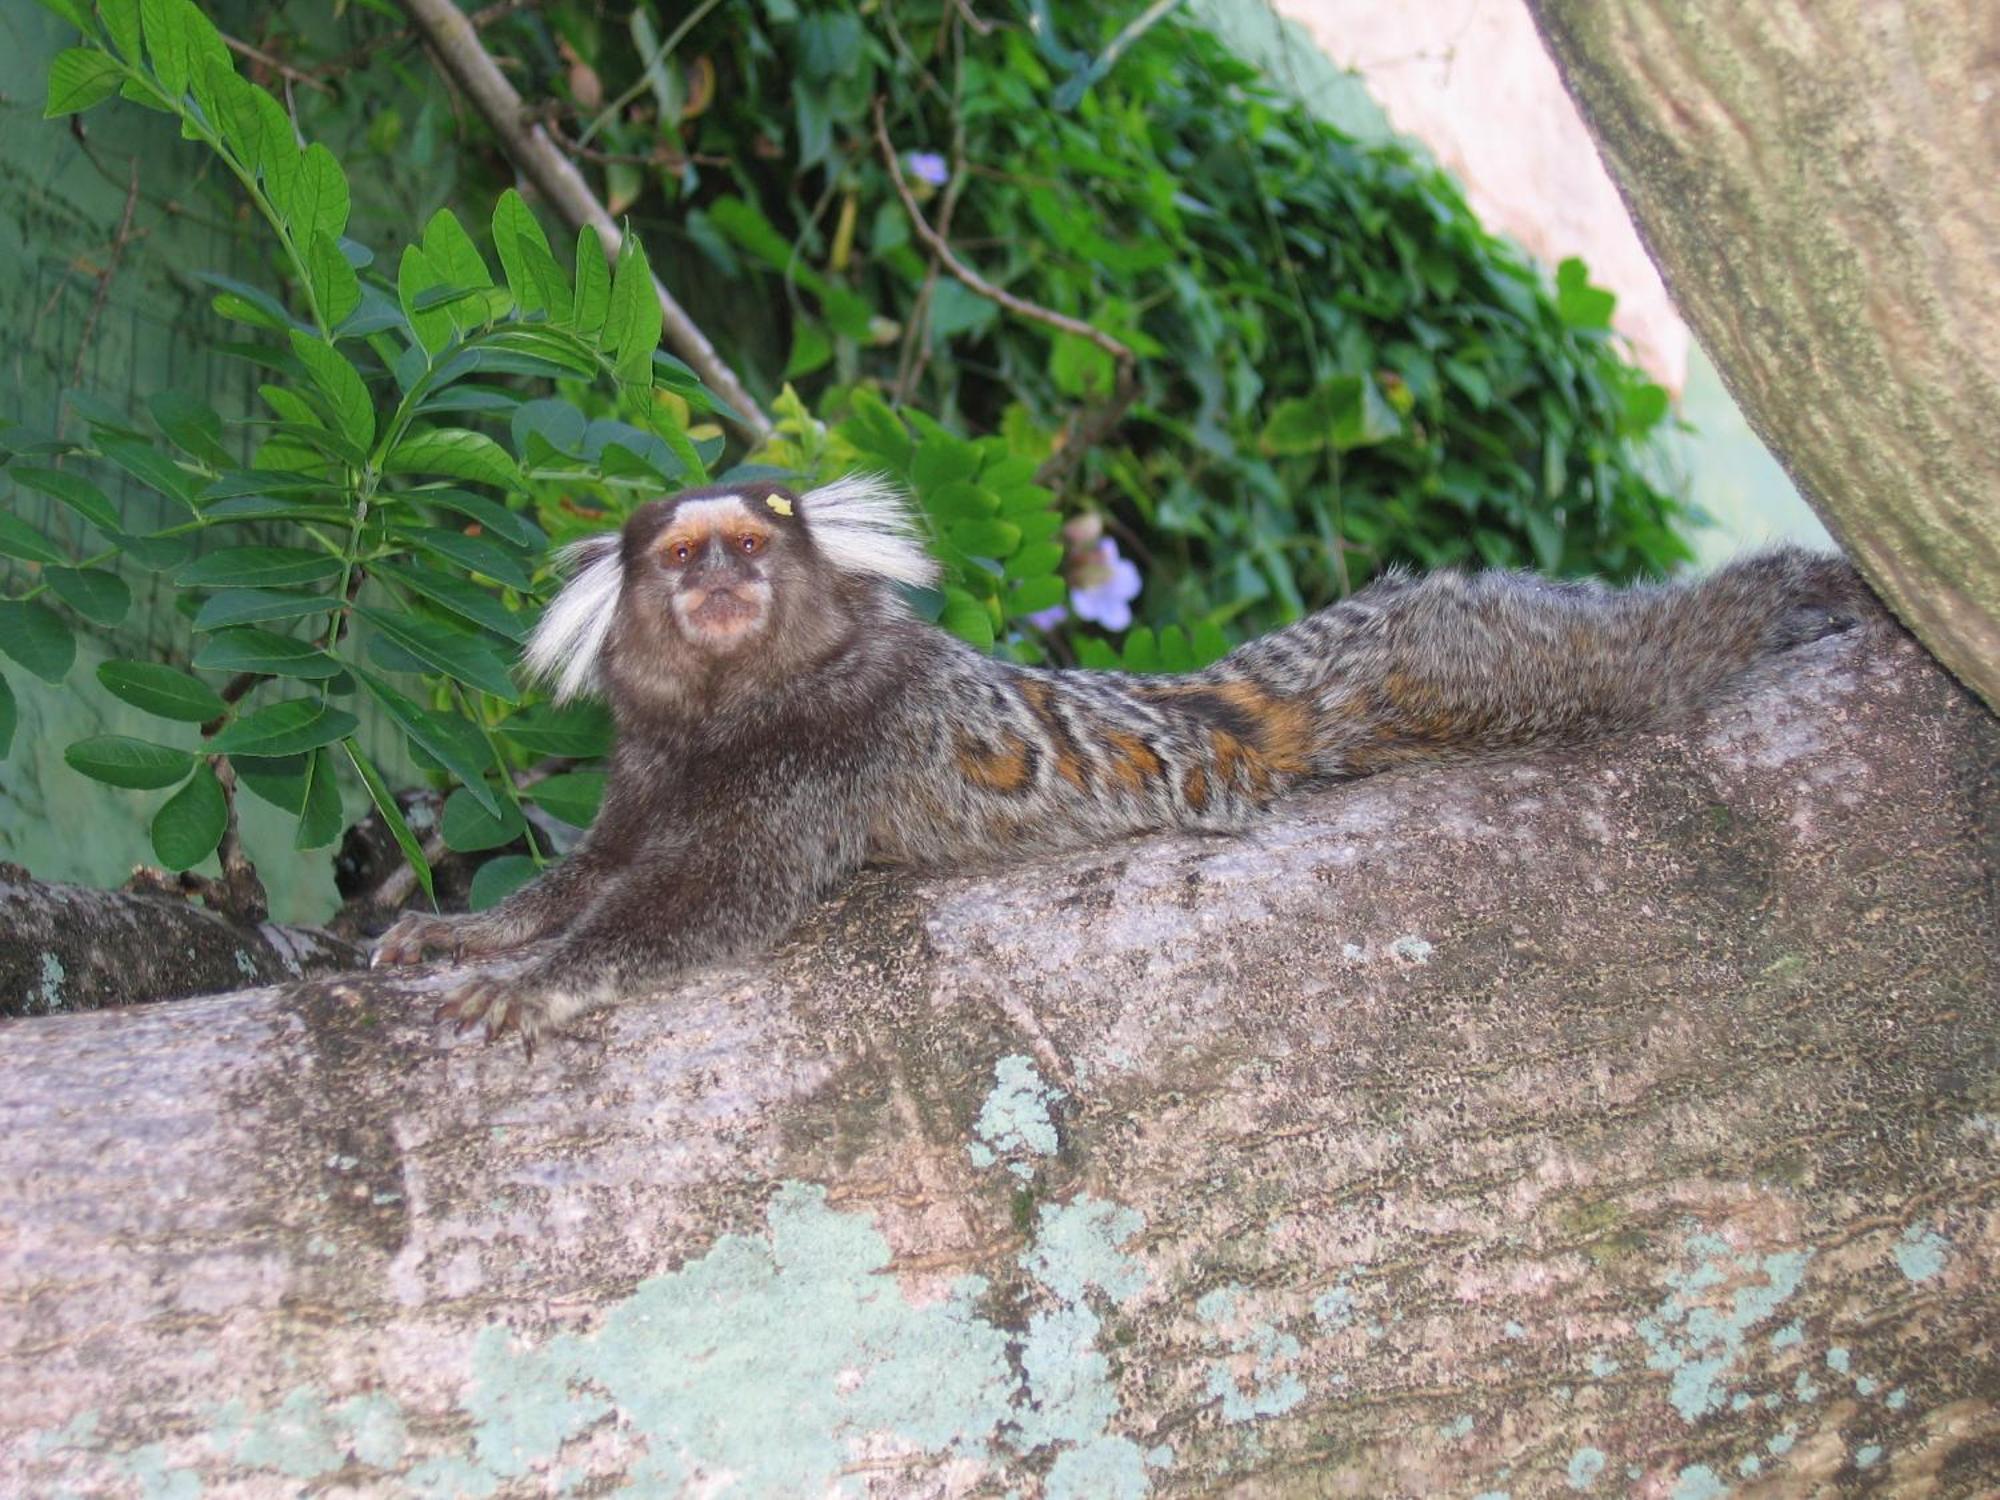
{"x":1034,"y":312}
{"x":465,"y":60}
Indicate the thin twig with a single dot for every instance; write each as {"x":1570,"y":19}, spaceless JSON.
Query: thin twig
{"x":1034,"y":312}
{"x":480,"y":19}
{"x":118,"y":243}
{"x":661,"y":155}
{"x":644,"y":81}
{"x":277,"y":65}
{"x":465,"y":60}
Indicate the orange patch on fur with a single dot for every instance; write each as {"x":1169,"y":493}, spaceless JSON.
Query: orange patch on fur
{"x":1008,"y":769}
{"x":1132,"y":761}
{"x":1284,"y":726}
{"x":1035,"y":693}
{"x":1194,"y":787}
{"x":1238,"y":764}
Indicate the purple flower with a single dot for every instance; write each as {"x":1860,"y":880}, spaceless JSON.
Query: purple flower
{"x":928,"y":166}
{"x":1103,"y":585}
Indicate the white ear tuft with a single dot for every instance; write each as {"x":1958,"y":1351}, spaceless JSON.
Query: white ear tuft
{"x":569,"y":638}
{"x":863,"y":524}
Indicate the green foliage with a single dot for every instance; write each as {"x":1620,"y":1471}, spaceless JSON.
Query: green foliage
{"x":1338,"y":367}
{"x":380,"y":534}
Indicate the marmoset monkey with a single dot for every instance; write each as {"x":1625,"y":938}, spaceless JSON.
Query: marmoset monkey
{"x":783,"y":717}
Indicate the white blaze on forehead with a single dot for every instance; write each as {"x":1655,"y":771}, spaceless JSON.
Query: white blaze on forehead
{"x":709,"y":515}
{"x":569,"y":637}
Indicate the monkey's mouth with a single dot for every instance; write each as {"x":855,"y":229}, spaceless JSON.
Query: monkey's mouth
{"x":719,"y":616}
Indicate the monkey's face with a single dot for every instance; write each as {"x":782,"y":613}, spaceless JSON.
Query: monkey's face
{"x":713,"y":560}
{"x":708,"y":575}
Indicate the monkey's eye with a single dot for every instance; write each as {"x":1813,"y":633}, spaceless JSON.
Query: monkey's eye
{"x":680,"y":552}
{"x":751,"y":543}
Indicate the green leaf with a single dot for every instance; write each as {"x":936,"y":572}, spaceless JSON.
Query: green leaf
{"x":1297,"y":427}
{"x":508,"y":525}
{"x":258,"y":567}
{"x":341,"y":384}
{"x":162,"y":690}
{"x":242,"y":606}
{"x":415,"y":275}
{"x":457,"y":261}
{"x":581,"y":731}
{"x":157,"y":551}
{"x":280,"y":780}
{"x":1580,"y":304}
{"x":497,"y":879}
{"x":169,"y":41}
{"x":320,"y":817}
{"x":574,"y":796}
{"x":457,"y":654}
{"x":320,"y":197}
{"x":455,"y":453}
{"x":190,"y":825}
{"x":153,"y":469}
{"x":967,"y":618}
{"x":120,"y":760}
{"x":995,"y":539}
{"x":80,"y":77}
{"x":480,"y":554}
{"x":19,"y":539}
{"x":452,"y":743}
{"x":469,"y":827}
{"x":252,"y":650}
{"x":335,"y":287}
{"x":1033,"y":595}
{"x":632,"y":321}
{"x":592,"y":300}
{"x":9,"y":717}
{"x":288,"y":728}
{"x":73,"y":490}
{"x":35,"y":636}
{"x":392,"y":816}
{"x":537,"y":282}
{"x":121,"y":22}
{"x":466,"y":600}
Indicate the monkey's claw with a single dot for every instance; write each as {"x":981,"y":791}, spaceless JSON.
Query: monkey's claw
{"x":415,"y":936}
{"x":499,"y":1006}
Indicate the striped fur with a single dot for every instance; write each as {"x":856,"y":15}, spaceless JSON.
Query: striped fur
{"x":748,"y":783}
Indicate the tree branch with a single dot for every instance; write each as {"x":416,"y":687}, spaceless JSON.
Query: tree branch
{"x":1034,"y":312}
{"x":459,"y":52}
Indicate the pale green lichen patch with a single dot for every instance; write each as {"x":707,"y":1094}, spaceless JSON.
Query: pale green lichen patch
{"x":1333,"y":1308}
{"x":1014,"y":1123}
{"x":48,"y":994}
{"x":1697,"y":1343}
{"x":1920,"y":1252}
{"x":767,"y":1366}
{"x":1076,"y":1250}
{"x":1585,"y":1465}
{"x":1270,"y":1389}
{"x":1699,"y":1482}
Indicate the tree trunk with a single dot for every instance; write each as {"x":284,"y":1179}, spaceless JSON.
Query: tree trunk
{"x":73,"y":947}
{"x":1819,"y":183}
{"x":1624,"y":1118}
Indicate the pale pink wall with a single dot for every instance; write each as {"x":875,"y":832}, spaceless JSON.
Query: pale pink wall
{"x":1470,"y":80}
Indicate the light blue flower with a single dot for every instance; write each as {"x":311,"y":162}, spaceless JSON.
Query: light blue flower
{"x":1103,"y":584}
{"x":929,"y":167}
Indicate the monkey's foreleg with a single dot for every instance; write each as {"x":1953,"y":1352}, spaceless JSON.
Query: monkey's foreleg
{"x":651,"y":924}
{"x":552,"y":900}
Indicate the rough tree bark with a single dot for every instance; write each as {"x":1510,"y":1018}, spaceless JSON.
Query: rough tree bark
{"x":1625,"y":1119}
{"x":1819,"y":183}
{"x":73,"y":947}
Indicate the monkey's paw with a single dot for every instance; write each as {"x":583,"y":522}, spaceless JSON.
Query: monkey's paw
{"x":415,"y":936}
{"x":499,"y":1005}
